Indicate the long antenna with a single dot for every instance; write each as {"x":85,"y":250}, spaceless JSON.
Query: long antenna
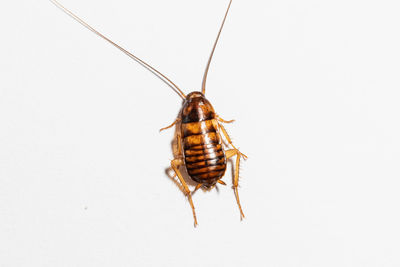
{"x":203,"y":87}
{"x":153,"y":70}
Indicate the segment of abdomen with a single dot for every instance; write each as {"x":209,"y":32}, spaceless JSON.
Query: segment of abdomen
{"x":204,"y":155}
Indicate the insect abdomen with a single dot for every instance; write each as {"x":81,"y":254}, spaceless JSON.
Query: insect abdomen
{"x":204,"y":156}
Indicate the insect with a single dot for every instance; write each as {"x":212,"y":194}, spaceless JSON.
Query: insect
{"x":199,"y":131}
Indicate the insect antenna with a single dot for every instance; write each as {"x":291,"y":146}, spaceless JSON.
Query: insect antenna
{"x":144,"y":64}
{"x":203,"y":87}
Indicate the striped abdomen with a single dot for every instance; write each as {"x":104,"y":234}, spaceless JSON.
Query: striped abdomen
{"x":202,"y":147}
{"x":204,"y":157}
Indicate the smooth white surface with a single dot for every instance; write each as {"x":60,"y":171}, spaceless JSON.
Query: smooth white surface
{"x":313,"y":86}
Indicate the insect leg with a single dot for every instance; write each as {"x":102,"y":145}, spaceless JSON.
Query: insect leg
{"x":197,"y":188}
{"x":175,"y":164}
{"x":230,"y":153}
{"x":221,"y":182}
{"x":224,"y":121}
{"x":165,"y":128}
{"x":220,"y":126}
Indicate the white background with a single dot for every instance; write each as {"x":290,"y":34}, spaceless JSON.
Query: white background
{"x":313,"y":86}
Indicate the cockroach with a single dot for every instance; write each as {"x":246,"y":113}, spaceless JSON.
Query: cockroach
{"x":199,"y":130}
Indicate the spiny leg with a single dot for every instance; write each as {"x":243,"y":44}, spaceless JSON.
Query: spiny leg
{"x":175,"y":163}
{"x":230,"y":153}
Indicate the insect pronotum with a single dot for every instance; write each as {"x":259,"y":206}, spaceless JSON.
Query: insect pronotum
{"x":199,"y":131}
